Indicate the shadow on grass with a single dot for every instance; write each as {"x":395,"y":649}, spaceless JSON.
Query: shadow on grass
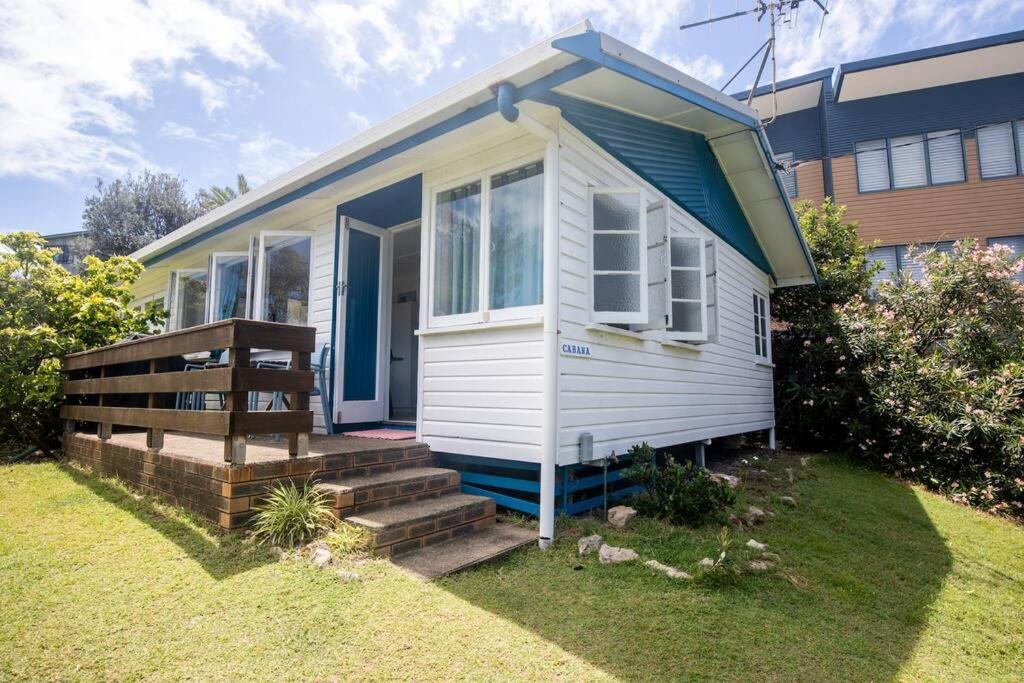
{"x":861,"y":565}
{"x":221,"y":554}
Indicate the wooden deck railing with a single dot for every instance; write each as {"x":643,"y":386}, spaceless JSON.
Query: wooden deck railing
{"x":98,"y":379}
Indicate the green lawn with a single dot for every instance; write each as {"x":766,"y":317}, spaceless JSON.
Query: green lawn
{"x":878,"y":581}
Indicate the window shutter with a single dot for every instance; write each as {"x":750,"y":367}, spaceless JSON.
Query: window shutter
{"x":711,"y":289}
{"x":687,"y":288}
{"x":908,"y":163}
{"x":618,"y":264}
{"x":1020,"y":145}
{"x":995,"y":151}
{"x":872,"y":166}
{"x":788,"y":176}
{"x":946,"y":156}
{"x":1016,"y":244}
{"x":657,"y":269}
{"x":913,"y":265}
{"x":887,"y":257}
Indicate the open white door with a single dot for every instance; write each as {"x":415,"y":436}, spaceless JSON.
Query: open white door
{"x":362,"y":343}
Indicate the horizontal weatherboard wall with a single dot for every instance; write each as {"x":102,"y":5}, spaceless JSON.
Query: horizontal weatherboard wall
{"x":798,"y":132}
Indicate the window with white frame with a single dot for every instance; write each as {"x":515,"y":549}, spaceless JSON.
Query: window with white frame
{"x":229,"y":285}
{"x":687,"y":286}
{"x":285,"y":275}
{"x":997,"y":153}
{"x":788,"y":173}
{"x":618,"y":263}
{"x":503,"y":210}
{"x":187,"y":297}
{"x":762,"y":344}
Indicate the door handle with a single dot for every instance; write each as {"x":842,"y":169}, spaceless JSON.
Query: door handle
{"x":342,"y":288}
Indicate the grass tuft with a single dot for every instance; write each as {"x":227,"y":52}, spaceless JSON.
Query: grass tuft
{"x":291,"y":515}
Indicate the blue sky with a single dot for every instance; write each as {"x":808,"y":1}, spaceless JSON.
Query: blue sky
{"x":209,"y":89}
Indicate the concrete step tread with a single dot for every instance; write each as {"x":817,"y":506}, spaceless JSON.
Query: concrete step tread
{"x":362,"y":481}
{"x":406,"y":513}
{"x":465,"y":551}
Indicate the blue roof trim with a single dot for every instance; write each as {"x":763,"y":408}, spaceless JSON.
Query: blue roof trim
{"x":819,"y":75}
{"x":677,"y":162}
{"x":588,"y":46}
{"x":554,"y":79}
{"x":925,"y":53}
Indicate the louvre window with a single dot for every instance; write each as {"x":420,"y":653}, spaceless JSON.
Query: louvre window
{"x":1016,"y":244}
{"x":996,"y":151}
{"x":908,"y":163}
{"x":946,"y":157}
{"x":910,"y":263}
{"x":872,"y":166}
{"x":887,"y":257}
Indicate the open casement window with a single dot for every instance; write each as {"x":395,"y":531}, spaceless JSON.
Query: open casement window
{"x":687,"y":304}
{"x":285,"y":277}
{"x":229,"y":285}
{"x":762,"y":336}
{"x":657,"y":269}
{"x":618,"y":264}
{"x":711,"y":288}
{"x":186,"y":296}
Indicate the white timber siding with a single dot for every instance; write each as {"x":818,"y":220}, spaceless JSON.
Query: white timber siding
{"x":480,"y":385}
{"x":633,"y":389}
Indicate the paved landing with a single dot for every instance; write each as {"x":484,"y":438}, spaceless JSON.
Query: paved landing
{"x":466,"y":551}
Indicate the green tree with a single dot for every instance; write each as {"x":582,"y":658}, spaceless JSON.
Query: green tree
{"x":130,"y":213}
{"x":817,"y":388}
{"x":211,"y":197}
{"x":47,"y":312}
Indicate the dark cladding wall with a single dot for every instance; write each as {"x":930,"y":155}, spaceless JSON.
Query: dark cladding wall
{"x":797,"y":132}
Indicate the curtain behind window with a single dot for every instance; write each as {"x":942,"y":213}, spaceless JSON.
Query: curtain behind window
{"x":517,"y":226}
{"x":232,"y":277}
{"x":457,"y":251}
{"x":286,"y":279}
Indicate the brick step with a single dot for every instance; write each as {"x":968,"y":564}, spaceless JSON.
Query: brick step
{"x":363,"y":492}
{"x":409,"y":526}
{"x":465,"y":551}
{"x":377,"y":460}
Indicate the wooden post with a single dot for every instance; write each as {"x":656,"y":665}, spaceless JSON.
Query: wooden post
{"x":154,"y":436}
{"x":103,"y":429}
{"x":236,"y":402}
{"x":298,"y":443}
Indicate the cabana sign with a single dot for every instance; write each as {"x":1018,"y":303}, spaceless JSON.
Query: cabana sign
{"x":576,"y":350}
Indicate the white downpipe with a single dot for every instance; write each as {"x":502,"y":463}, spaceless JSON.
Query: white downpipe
{"x":549,"y":420}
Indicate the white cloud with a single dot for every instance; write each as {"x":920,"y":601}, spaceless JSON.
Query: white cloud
{"x":70,"y":71}
{"x":264,"y":156}
{"x":360,"y":121}
{"x":178,"y":131}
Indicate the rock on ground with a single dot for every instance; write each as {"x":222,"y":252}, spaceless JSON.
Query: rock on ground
{"x":755,"y":545}
{"x":789,"y":500}
{"x":790,"y":474}
{"x":589,"y":544}
{"x":727,"y":479}
{"x":621,"y":515}
{"x":761,"y":565}
{"x":754,"y":516}
{"x":321,"y":558}
{"x":612,"y":555}
{"x":804,"y":460}
{"x":770,"y":557}
{"x":671,"y":572}
{"x":706,"y":563}
{"x":348,"y":577}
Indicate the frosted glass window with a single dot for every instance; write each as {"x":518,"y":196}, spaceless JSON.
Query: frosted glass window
{"x":457,"y":251}
{"x":946,"y":157}
{"x":517,"y":245}
{"x":787,"y":176}
{"x":908,"y":161}
{"x":286,"y":272}
{"x":995,"y":151}
{"x":872,"y":166}
{"x":230,"y":286}
{"x":687,"y":286}
{"x":618,"y":259}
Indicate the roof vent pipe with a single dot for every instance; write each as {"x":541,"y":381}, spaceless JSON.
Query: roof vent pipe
{"x":506,"y":101}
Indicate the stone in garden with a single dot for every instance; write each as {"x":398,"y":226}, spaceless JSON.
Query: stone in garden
{"x":804,"y":460}
{"x":727,"y":479}
{"x":612,"y":555}
{"x":789,"y":500}
{"x":790,"y":474}
{"x":668,"y":571}
{"x":736,"y":521}
{"x":589,"y":544}
{"x":755,"y":545}
{"x":761,"y":565}
{"x":754,"y":515}
{"x":348,"y":577}
{"x":770,"y":557}
{"x":706,"y":563}
{"x":620,"y":515}
{"x":321,"y":558}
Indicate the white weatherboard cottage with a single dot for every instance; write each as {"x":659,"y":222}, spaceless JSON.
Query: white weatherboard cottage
{"x":580,"y":240}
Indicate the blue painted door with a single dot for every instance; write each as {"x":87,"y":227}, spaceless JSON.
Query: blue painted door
{"x":362,"y":331}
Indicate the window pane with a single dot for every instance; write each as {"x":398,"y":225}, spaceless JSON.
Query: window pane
{"x":686,"y":316}
{"x":788,"y":176}
{"x":1016,"y":245}
{"x":872,"y":166}
{"x":617,"y":211}
{"x":616,"y":252}
{"x":995,"y":149}
{"x":686,"y":284}
{"x":617,"y":293}
{"x":517,"y":246}
{"x":685,"y":252}
{"x":946,"y":156}
{"x":286,"y":262}
{"x":231,"y":277}
{"x":191,"y":296}
{"x":457,"y":251}
{"x":887,"y":257}
{"x":908,"y":165}
{"x":913,"y":265}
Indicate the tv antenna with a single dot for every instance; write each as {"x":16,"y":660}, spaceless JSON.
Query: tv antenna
{"x":778,"y":13}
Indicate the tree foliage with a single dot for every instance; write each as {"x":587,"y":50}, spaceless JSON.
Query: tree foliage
{"x":129,"y":213}
{"x":46,"y":312}
{"x":210,"y":198}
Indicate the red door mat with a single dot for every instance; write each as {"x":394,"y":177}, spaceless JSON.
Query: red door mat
{"x":388,"y":434}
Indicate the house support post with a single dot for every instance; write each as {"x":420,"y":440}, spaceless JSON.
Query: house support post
{"x":698,"y":455}
{"x":771,"y":439}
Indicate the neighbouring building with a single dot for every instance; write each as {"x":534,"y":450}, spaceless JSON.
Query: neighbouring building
{"x":74,"y":246}
{"x":923,"y":147}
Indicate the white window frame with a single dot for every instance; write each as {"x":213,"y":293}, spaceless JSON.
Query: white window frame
{"x":257,"y":310}
{"x":173,"y":280}
{"x":211,"y":286}
{"x":702,"y":271}
{"x":621,"y":317}
{"x":758,"y":300}
{"x":483,"y":313}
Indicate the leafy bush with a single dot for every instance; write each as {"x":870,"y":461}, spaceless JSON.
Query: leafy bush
{"x":46,"y":312}
{"x":680,"y":493}
{"x":943,"y":366}
{"x":347,"y":539}
{"x":291,"y":515}
{"x":818,"y":386}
